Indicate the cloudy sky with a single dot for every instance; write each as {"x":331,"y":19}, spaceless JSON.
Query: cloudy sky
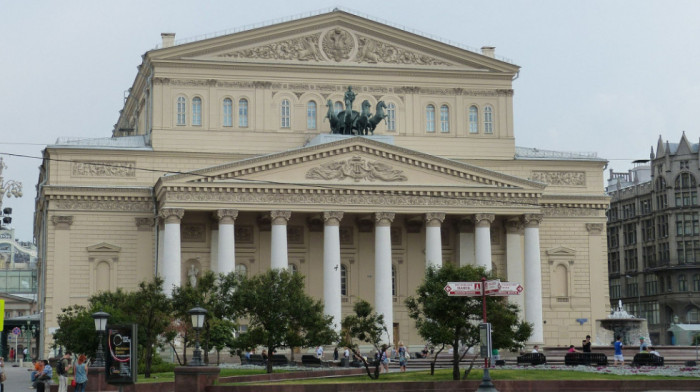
{"x":602,"y":76}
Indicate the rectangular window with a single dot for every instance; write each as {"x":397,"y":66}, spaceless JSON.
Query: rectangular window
{"x":285,"y":114}
{"x":444,"y":119}
{"x":228,"y":112}
{"x":181,"y":111}
{"x":646,"y":206}
{"x":648,"y":230}
{"x":614,"y":262}
{"x":243,"y":113}
{"x":630,"y":233}
{"x":615,"y":288}
{"x":197,"y":111}
{"x":662,"y":226}
{"x":613,"y":237}
{"x":391,"y":117}
{"x":649,"y":256}
{"x":651,"y":285}
{"x":311,"y":115}
{"x":430,"y":119}
{"x":630,"y":260}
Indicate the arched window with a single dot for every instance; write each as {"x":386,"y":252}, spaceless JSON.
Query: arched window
{"x":228,"y":112}
{"x":311,"y":115}
{"x":196,"y":111}
{"x":241,"y":270}
{"x":243,"y":113}
{"x":343,"y":280}
{"x":181,"y":111}
{"x":488,"y":120}
{"x":444,"y":119}
{"x":393,"y":280}
{"x":682,"y":284}
{"x":686,"y":190}
{"x":285,"y":114}
{"x":292,"y":268}
{"x":473,"y":119}
{"x":391,"y":117}
{"x":337,"y":107}
{"x":430,"y":118}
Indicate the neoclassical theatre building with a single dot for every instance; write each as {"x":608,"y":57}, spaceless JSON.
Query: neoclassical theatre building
{"x":248,"y":151}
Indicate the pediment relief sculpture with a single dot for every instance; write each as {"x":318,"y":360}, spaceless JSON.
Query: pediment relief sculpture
{"x":336,"y":45}
{"x":357,"y":169}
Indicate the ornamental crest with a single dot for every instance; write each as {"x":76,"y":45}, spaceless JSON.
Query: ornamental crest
{"x":358,"y":169}
{"x":337,"y":44}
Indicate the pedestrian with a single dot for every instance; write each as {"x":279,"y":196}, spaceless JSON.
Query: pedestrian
{"x":572,"y":349}
{"x":80,"y":371}
{"x":3,"y":376}
{"x":586,"y":344}
{"x":384,"y":358}
{"x":335,"y":353}
{"x":642,"y":344}
{"x":536,"y":349}
{"x":62,"y":368}
{"x":319,"y":352}
{"x":403,"y":357}
{"x":618,"y":352}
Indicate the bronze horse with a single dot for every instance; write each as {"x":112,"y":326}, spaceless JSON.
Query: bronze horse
{"x":350,"y":122}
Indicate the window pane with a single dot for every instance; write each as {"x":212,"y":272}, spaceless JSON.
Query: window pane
{"x":243,"y":113}
{"x":181,"y":111}
{"x":197,"y":111}
{"x":228,"y":112}
{"x":444,"y":119}
{"x":488,"y":120}
{"x":430,"y":118}
{"x":343,"y":280}
{"x":391,"y":117}
{"x":473,"y":119}
{"x":311,"y":115}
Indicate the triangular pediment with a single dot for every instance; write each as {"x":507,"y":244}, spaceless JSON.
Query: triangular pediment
{"x":357,"y":162}
{"x":104,"y":247}
{"x":336,"y":37}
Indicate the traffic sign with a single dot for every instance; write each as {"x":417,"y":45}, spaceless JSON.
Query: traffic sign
{"x":463,"y":289}
{"x":16,"y":331}
{"x":492,"y":286}
{"x":509,"y":288}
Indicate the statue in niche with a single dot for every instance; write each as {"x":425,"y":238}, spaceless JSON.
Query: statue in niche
{"x":193,"y":274}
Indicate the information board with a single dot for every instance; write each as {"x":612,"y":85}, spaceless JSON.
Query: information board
{"x":121,"y":362}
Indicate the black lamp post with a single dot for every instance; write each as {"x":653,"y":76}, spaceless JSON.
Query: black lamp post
{"x":100,"y":327}
{"x":197,"y":314}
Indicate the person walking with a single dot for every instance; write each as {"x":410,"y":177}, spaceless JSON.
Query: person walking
{"x":80,"y":372}
{"x":62,"y":368}
{"x":403,"y":357}
{"x":618,"y":352}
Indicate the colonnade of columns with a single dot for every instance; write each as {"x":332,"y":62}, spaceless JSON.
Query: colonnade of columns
{"x":523,"y":265}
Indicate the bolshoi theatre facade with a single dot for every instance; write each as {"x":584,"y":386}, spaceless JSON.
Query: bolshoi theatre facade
{"x":249,"y":151}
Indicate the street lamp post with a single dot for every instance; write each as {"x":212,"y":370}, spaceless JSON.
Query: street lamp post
{"x":197,"y":314}
{"x":100,"y":327}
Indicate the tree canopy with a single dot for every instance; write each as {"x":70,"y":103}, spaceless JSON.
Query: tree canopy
{"x":444,"y":320}
{"x":366,"y":326}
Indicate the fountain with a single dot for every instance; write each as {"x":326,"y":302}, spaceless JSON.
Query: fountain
{"x":621,"y":323}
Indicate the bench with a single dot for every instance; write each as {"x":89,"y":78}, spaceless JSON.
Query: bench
{"x":532,"y":359}
{"x":313,"y":361}
{"x":646,"y":359}
{"x":255,"y":359}
{"x":279,"y":360}
{"x":599,"y":359}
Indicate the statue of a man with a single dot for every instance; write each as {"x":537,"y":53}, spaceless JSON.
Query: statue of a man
{"x":349,"y":97}
{"x":192,"y":274}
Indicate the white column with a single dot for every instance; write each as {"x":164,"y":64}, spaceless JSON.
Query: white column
{"x":278,"y":252}
{"x":172,"y":275}
{"x":214,"y":249}
{"x":226,"y":262}
{"x":533,"y":277}
{"x":514,"y":259}
{"x":467,"y":255}
{"x":383,"y":297}
{"x":331,"y":267}
{"x":161,"y":247}
{"x":482,"y":235}
{"x":433,"y":239}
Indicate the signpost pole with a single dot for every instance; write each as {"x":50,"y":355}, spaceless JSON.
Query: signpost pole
{"x":486,"y":384}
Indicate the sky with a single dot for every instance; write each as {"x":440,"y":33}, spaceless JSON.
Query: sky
{"x":604,"y":76}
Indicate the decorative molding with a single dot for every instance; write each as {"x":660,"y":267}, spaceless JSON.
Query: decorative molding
{"x":103,"y":169}
{"x":193,"y":233}
{"x":145,"y":224}
{"x":295,"y":235}
{"x":384,"y":218}
{"x":105,"y":205}
{"x":373,"y":52}
{"x":171,"y":215}
{"x":301,"y":48}
{"x":347,"y":235}
{"x":226,"y":216}
{"x":560,"y":178}
{"x":484,"y":220}
{"x":434,"y":219}
{"x":532,"y":220}
{"x":338,"y":44}
{"x":573,"y":211}
{"x":332,"y":218}
{"x":280,"y":217}
{"x":356,"y":168}
{"x":62,"y":222}
{"x":595,"y":228}
{"x":244,"y":234}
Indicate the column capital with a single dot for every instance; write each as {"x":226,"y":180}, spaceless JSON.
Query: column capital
{"x":171,"y":215}
{"x":62,"y":222}
{"x":513,"y":225}
{"x":226,"y":216}
{"x":332,"y":218}
{"x":532,"y":220}
{"x":434,"y":219}
{"x":384,"y":218}
{"x":595,"y":228}
{"x":484,"y":220}
{"x":145,"y":224}
{"x":280,"y":217}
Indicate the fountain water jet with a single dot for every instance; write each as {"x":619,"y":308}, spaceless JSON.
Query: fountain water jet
{"x":621,"y":323}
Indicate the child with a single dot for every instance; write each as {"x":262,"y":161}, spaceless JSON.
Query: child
{"x":618,"y":352}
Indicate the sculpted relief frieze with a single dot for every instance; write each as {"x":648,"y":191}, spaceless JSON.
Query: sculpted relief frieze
{"x":356,"y":168}
{"x":105,"y":205}
{"x":103,"y":169}
{"x":301,"y":48}
{"x":373,"y":51}
{"x":560,"y":178}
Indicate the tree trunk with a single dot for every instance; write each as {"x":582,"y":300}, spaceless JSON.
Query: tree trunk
{"x":149,"y":360}
{"x":432,"y":364}
{"x":455,"y":360}
{"x":268,"y":365}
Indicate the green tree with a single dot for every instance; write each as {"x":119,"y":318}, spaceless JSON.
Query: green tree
{"x":444,"y":320}
{"x":366,"y":326}
{"x":279,"y":312}
{"x":150,"y":309}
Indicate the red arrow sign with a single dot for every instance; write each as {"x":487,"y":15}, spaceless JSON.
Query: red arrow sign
{"x":463,"y":289}
{"x":509,"y":288}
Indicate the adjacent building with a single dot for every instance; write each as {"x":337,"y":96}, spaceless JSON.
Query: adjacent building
{"x":654,"y":239}
{"x":223,"y":159}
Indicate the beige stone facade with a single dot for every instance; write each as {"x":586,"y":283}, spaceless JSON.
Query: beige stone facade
{"x":227,"y":124}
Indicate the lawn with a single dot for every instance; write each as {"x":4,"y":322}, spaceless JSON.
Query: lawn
{"x":170,"y":376}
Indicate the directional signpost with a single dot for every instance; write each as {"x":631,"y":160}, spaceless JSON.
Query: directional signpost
{"x":494,"y":288}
